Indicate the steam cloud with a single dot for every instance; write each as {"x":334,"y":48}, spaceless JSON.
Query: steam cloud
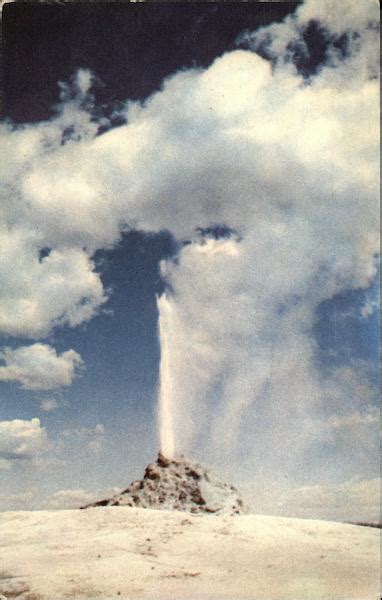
{"x":287,"y":165}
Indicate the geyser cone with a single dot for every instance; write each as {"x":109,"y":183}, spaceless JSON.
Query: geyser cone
{"x":178,"y":485}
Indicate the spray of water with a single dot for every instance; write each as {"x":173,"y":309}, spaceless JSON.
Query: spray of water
{"x":166,"y":396}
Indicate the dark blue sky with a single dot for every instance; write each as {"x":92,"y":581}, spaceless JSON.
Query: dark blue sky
{"x":130,"y":47}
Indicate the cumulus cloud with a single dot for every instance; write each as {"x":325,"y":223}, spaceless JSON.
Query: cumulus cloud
{"x":289,"y":163}
{"x":41,"y":293}
{"x":45,"y":266}
{"x":216,"y":164}
{"x":347,"y":30}
{"x":21,"y":440}
{"x":39,"y":367}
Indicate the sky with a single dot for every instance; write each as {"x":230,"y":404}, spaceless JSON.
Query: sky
{"x":189,"y":220}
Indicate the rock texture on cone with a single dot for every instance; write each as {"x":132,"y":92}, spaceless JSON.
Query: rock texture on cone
{"x":178,"y":485}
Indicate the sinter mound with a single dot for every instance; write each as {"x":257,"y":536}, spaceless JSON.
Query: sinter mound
{"x":178,"y":485}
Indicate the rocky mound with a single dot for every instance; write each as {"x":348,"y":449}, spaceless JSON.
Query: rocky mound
{"x":178,"y":485}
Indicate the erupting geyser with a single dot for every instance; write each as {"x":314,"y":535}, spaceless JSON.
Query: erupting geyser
{"x":174,"y":484}
{"x":166,"y":400}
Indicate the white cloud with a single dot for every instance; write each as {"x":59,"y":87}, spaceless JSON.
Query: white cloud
{"x":39,"y":367}
{"x":38,"y":295}
{"x":369,"y":308}
{"x":21,"y":440}
{"x":339,"y":16}
{"x":49,"y":404}
{"x":218,"y":144}
{"x":84,"y":81}
{"x":335,"y":20}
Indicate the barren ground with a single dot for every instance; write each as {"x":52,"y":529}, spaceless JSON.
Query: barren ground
{"x":122,"y":552}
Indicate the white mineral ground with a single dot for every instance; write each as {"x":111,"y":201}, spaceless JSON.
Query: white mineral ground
{"x":123,"y":552}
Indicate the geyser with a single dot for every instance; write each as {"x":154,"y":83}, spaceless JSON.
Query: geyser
{"x":166,"y":399}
